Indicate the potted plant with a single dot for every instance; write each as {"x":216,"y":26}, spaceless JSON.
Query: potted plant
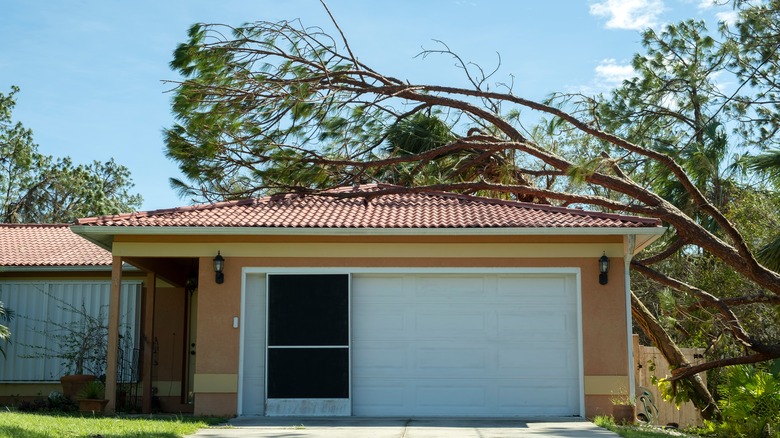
{"x":92,"y":397}
{"x":81,"y":344}
{"x":623,"y":408}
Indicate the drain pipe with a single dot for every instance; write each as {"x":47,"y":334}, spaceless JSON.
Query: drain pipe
{"x":629,"y":247}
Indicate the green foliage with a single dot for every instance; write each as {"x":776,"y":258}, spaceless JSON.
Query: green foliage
{"x":55,"y":403}
{"x":635,"y":431}
{"x":24,"y":425}
{"x":36,"y":188}
{"x":94,"y":390}
{"x":750,"y":402}
{"x":674,"y":105}
{"x":277,"y":107}
{"x":418,"y":134}
{"x":5,"y":334}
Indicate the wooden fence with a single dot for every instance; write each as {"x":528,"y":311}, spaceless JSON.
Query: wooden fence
{"x":645,"y":357}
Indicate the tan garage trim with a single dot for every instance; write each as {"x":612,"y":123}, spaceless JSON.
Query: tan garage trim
{"x":216,"y":383}
{"x":606,"y":385}
{"x":370,"y":250}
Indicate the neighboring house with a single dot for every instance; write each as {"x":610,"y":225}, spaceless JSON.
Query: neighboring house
{"x":426,"y":304}
{"x":48,"y":275}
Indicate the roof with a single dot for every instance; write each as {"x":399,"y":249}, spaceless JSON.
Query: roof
{"x":403,"y":210}
{"x":35,"y":245}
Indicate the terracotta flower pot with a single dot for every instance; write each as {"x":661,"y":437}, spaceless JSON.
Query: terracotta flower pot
{"x":74,"y":383}
{"x":623,"y":414}
{"x":92,"y":405}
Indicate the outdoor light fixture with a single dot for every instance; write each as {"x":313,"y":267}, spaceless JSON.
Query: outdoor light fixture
{"x":603,"y":269}
{"x":219,"y":263}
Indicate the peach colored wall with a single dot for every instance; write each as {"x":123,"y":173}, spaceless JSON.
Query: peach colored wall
{"x":216,"y":404}
{"x":217,"y":305}
{"x":169,"y":332}
{"x":605,"y":343}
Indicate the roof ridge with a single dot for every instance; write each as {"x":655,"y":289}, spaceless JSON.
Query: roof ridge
{"x":533,"y":206}
{"x":34,"y":225}
{"x":162,"y":211}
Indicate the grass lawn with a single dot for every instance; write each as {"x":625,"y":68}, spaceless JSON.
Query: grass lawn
{"x":27,"y":425}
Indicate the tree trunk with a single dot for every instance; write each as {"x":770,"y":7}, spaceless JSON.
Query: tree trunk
{"x":700,"y":396}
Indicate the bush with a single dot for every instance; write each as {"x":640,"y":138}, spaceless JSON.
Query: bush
{"x":750,"y":402}
{"x":55,"y":402}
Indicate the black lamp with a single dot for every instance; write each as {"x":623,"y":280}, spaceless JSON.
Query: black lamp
{"x":219,"y":264}
{"x":603,"y":269}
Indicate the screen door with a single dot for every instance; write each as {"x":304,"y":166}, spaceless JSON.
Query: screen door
{"x":308,"y":345}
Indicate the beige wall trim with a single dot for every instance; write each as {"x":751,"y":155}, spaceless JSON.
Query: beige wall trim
{"x":216,"y":383}
{"x":28,"y":389}
{"x":368,"y":250}
{"x":606,"y":385}
{"x":167,"y":388}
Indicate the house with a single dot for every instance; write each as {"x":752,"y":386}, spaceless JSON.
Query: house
{"x":406,"y":304}
{"x":48,"y":277}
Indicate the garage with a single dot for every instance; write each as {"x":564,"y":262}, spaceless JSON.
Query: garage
{"x":476,"y":345}
{"x":432,"y":344}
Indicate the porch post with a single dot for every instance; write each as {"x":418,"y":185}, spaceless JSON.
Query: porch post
{"x":113,"y":332}
{"x":629,"y":248}
{"x":148,"y":338}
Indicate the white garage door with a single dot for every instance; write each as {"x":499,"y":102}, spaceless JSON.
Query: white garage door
{"x":465,"y":345}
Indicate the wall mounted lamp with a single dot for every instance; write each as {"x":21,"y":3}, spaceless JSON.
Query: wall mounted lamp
{"x":603,"y":269}
{"x":219,"y":264}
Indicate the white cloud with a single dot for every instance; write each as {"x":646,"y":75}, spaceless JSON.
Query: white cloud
{"x":611,"y":74}
{"x":629,"y":14}
{"x":706,"y":4}
{"x":728,"y":17}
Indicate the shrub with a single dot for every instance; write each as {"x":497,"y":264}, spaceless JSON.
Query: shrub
{"x":750,"y":402}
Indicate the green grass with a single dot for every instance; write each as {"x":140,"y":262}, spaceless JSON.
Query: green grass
{"x":27,"y":425}
{"x":635,"y":431}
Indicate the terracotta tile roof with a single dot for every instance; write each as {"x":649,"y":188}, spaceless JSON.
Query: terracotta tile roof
{"x":47,"y":245}
{"x":405,"y":210}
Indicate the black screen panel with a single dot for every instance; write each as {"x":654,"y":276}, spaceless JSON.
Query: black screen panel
{"x":308,"y":373}
{"x":308,"y":310}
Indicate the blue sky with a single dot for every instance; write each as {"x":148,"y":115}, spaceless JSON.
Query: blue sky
{"x":92,"y":72}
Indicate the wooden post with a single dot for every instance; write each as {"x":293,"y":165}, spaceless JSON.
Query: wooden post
{"x":148,"y":337}
{"x":113,"y":332}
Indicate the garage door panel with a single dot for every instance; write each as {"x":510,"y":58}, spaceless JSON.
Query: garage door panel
{"x":535,"y":398}
{"x":368,"y":359}
{"x":388,"y":321}
{"x":536,"y":289}
{"x":558,"y":325}
{"x":546,"y":361}
{"x":386,"y":398}
{"x":431,"y":287}
{"x":453,"y":361}
{"x":448,"y":394}
{"x":449,"y":321}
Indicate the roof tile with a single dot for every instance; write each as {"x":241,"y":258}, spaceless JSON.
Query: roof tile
{"x":48,"y":245}
{"x":398,"y":210}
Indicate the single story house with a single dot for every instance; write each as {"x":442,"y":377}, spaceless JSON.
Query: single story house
{"x":50,"y":277}
{"x":406,"y":304}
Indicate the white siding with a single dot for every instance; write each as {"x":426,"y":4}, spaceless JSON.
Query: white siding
{"x":39,"y":305}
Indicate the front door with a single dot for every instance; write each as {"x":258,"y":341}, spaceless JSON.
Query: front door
{"x":307,"y":352}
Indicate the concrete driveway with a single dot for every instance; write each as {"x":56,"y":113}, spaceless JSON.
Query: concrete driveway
{"x":350,"y":427}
